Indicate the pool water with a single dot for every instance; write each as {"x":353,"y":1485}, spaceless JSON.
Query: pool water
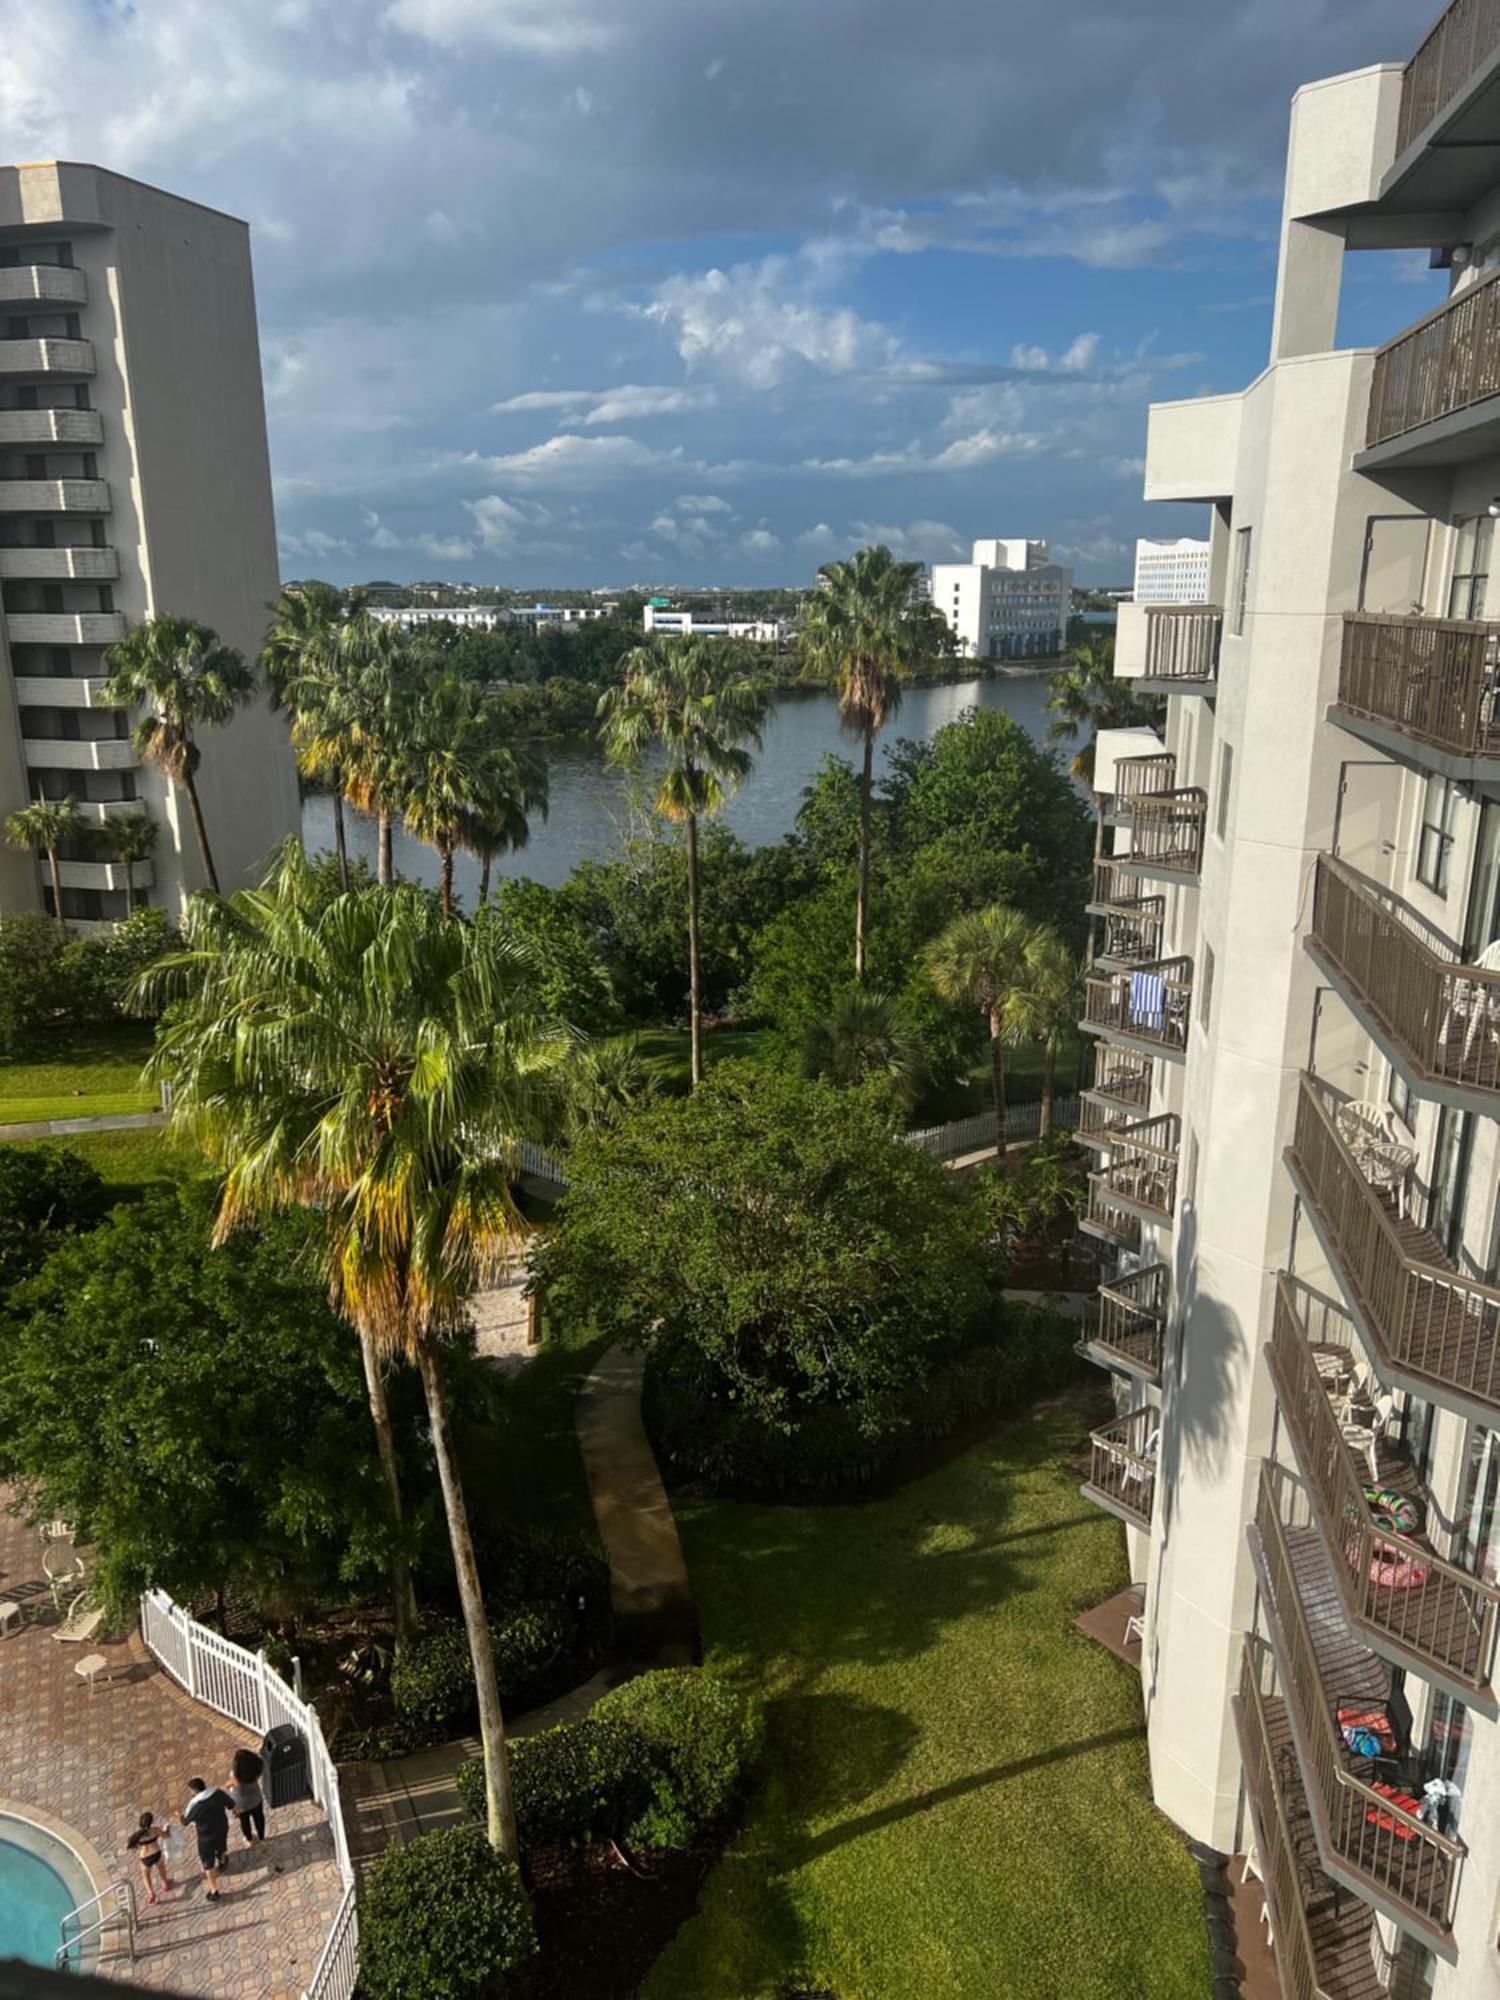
{"x":33,"y":1900}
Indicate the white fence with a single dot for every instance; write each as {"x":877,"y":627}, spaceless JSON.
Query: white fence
{"x":969,"y":1135}
{"x":241,"y":1685}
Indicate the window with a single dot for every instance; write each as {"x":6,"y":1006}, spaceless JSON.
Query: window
{"x":1435,"y":841}
{"x":1206,"y":988}
{"x":1398,"y":1096}
{"x":1471,"y":568}
{"x":1226,"y":772}
{"x":1240,"y":591}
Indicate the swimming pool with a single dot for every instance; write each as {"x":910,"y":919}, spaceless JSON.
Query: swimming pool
{"x":40,"y":1881}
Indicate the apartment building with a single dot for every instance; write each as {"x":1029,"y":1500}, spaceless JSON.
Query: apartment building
{"x":1295,"y":1111}
{"x":665,"y":622}
{"x":1171,"y":571}
{"x":133,"y":479}
{"x":1010,"y":602}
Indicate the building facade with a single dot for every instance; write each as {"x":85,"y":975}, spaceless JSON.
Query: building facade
{"x":1010,"y":602}
{"x":1171,"y":572}
{"x":1295,"y":1111}
{"x":664,"y":622}
{"x":134,"y":479}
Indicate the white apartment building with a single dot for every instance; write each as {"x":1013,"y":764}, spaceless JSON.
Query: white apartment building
{"x":423,"y":617}
{"x":666,"y":623}
{"x":1295,"y":1110}
{"x":133,"y":479}
{"x":1010,"y":602}
{"x":562,"y":617}
{"x":1171,"y":572}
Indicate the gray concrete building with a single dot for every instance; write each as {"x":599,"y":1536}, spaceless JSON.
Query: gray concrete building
{"x":134,"y":479}
{"x":1295,"y":1112}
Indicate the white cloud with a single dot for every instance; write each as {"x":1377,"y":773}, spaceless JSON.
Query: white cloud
{"x":760,"y":542}
{"x":915,"y":541}
{"x":622,"y":405}
{"x":760,"y":324}
{"x":314,"y":542}
{"x":819,"y":540}
{"x":571,"y":460}
{"x":496,"y":522}
{"x":962,"y":455}
{"x":544,"y":399}
{"x":532,"y":27}
{"x":702,"y":503}
{"x":1074,"y":360}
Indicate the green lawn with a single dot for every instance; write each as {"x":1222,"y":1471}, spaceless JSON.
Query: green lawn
{"x":667,"y":1052}
{"x":128,"y":1161}
{"x":955,"y":1801}
{"x":91,"y":1075}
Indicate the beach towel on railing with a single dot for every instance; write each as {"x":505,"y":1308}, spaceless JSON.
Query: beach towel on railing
{"x":1148,"y":1000}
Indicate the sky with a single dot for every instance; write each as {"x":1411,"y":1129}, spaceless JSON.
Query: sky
{"x":679,"y":291}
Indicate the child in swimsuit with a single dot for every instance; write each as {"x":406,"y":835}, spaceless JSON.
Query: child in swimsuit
{"x":146,"y":1844}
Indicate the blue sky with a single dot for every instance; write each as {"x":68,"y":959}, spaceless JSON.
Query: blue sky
{"x":570,"y":291}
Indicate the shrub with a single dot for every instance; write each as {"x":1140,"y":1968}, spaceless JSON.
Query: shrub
{"x":444,"y":1918}
{"x":702,"y":1737}
{"x":581,"y":1782}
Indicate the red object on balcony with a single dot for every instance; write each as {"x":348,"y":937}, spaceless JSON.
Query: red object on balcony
{"x":1387,"y":1821}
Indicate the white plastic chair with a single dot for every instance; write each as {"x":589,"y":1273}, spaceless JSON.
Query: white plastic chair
{"x":1363,"y":1430}
{"x":1365,"y":1128}
{"x":1477,"y":1003}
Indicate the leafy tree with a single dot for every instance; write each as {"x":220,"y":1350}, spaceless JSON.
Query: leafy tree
{"x":43,"y":1194}
{"x":692,"y":700}
{"x":1044,"y":1006}
{"x":865,"y":631}
{"x":1084,"y":697}
{"x":186,"y":680}
{"x":553,"y":928}
{"x":133,"y":837}
{"x":864,"y":1038}
{"x":800,"y":958}
{"x":301,"y":663}
{"x":1039,"y":1199}
{"x":380,"y":1064}
{"x":45,"y":825}
{"x":983,"y":960}
{"x":826,"y":829}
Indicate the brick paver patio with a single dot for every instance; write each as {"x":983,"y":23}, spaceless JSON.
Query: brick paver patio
{"x":95,"y":1757}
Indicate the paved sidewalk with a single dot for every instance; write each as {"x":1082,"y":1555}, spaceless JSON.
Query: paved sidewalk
{"x":69,"y":1128}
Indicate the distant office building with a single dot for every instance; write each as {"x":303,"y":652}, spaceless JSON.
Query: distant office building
{"x":560,"y":617}
{"x":665,"y":622}
{"x":1011,"y":602}
{"x":421,"y":617}
{"x":133,"y":479}
{"x":1171,"y":572}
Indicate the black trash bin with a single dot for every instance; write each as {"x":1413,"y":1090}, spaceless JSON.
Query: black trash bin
{"x":285,"y":1752}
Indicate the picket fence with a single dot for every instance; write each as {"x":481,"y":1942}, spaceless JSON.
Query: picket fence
{"x":243,"y":1686}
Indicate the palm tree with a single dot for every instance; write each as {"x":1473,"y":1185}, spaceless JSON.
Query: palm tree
{"x":441,"y":770}
{"x":361,"y":727}
{"x":133,"y":837}
{"x":179,"y":673}
{"x":692,"y":699}
{"x":981,"y":959}
{"x":380,"y":1063}
{"x":864,"y":1035}
{"x":865,"y":631}
{"x":513,"y":785}
{"x":300,"y":662}
{"x":44,"y":826}
{"x":1084,"y":697}
{"x":1043,"y":1006}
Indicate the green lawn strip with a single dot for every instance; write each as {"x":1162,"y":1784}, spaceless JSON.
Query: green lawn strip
{"x":93,"y":1075}
{"x":129,"y":1161}
{"x":667,"y":1052}
{"x":955,"y":1799}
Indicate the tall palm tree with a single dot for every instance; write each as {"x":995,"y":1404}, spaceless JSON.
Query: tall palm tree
{"x":43,"y":826}
{"x":362,"y":730}
{"x":866,"y":630}
{"x":1084,"y":697}
{"x":980,"y":960}
{"x":133,"y":836}
{"x":693,"y":700}
{"x":864,"y":1036}
{"x":379,"y":1063}
{"x":440,"y":779}
{"x":179,"y":673}
{"x":1043,"y":1006}
{"x":513,"y":785}
{"x":300,"y":662}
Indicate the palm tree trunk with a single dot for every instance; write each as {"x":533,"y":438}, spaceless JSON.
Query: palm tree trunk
{"x":129,"y":887}
{"x":340,"y":843}
{"x":445,"y":856}
{"x":190,"y":786}
{"x":861,"y":906}
{"x":384,"y":872}
{"x":403,"y":1597}
{"x":997,"y":1080}
{"x":52,"y":863}
{"x":500,"y":1812}
{"x":1049,"y":1080}
{"x":485,"y":861}
{"x":695,"y":1025}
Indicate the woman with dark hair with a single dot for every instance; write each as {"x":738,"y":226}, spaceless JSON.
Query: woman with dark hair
{"x":245,"y":1774}
{"x":147,"y":1845}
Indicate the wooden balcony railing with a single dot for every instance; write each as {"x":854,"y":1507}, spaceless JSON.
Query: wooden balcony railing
{"x":1150,"y":1004}
{"x":1143,"y":778}
{"x":1465,"y":35}
{"x":1114,"y":890}
{"x":1440,"y":1015}
{"x":1441,"y":1614}
{"x":1132,"y":1320}
{"x":1425,"y":1318}
{"x":1122,"y":1464}
{"x":1409,"y":1863}
{"x":1445,"y":363}
{"x":1182,"y":642}
{"x":1432,"y":680}
{"x":1142,"y":1175}
{"x":1165,"y":832}
{"x":1108,"y":1218}
{"x":1121,"y":1077}
{"x":1101,"y":1120}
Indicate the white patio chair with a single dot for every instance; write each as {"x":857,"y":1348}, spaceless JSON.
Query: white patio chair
{"x":1365,"y":1128}
{"x":1363,"y":1429}
{"x":63,"y":1568}
{"x":1477,"y":1003}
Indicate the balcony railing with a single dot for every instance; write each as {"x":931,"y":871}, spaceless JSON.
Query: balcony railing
{"x":1433,"y":1613}
{"x":42,"y":284}
{"x":1441,"y":1016}
{"x":1165,"y":832}
{"x":54,"y":496}
{"x":1132,"y":1321}
{"x":1143,"y":778}
{"x":51,"y":426}
{"x":1121,"y":1078}
{"x":87,"y":565}
{"x":1384,"y":1848}
{"x":1431,"y":680}
{"x":1423,"y":1317}
{"x":1465,"y":35}
{"x":46,"y":355}
{"x":64,"y":628}
{"x":1109,"y":1218}
{"x":1149,"y":1005}
{"x":1182,"y":642}
{"x":1142,"y":1176}
{"x":1445,"y":363}
{"x":1122,"y":1465}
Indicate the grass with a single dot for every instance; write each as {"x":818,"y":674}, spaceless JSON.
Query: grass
{"x":128,"y":1161}
{"x":667,"y":1052}
{"x":525,"y":1466}
{"x":92,"y":1075}
{"x":955,"y":1799}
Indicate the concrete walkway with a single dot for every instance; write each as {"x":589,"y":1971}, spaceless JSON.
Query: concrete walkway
{"x":69,"y":1128}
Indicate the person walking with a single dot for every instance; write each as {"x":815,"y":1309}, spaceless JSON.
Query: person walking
{"x":147,"y":1844}
{"x":207,"y":1812}
{"x":245,"y":1774}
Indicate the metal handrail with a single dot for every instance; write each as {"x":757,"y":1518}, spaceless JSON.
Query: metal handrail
{"x":1105,"y":1214}
{"x":124,"y":1897}
{"x":1133,"y":1315}
{"x":1122,"y":1470}
{"x":1464,"y":35}
{"x":1107,"y":1002}
{"x":1182,"y":641}
{"x":1430,"y":679}
{"x":1121,"y":1076}
{"x":1448,"y":361}
{"x":1166,"y":829}
{"x":1118,"y":891}
{"x":1143,"y":777}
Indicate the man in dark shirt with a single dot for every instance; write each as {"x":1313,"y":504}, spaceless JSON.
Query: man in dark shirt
{"x":208,"y":1812}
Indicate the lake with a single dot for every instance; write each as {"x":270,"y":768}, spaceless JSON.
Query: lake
{"x":592,"y":807}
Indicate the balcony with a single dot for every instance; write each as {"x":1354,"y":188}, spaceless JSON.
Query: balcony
{"x":46,"y":356}
{"x":64,"y":628}
{"x":99,"y":812}
{"x":1141,"y":1178}
{"x":71,"y":753}
{"x":1422,"y":690}
{"x":1165,"y":833}
{"x":1109,"y":1219}
{"x":1436,"y":1017}
{"x":62,"y":691}
{"x":81,"y":565}
{"x":1366,"y":1838}
{"x":1122,"y":1466}
{"x":1466,"y":36}
{"x":21,"y":427}
{"x":54,"y":496}
{"x":1130,"y":1330}
{"x":1138,"y":778}
{"x":1166,"y":649}
{"x":1119,"y":1096}
{"x":1133,"y":922}
{"x":1145,"y":1010}
{"x":43,"y":285}
{"x":105,"y":874}
{"x":1433,"y":391}
{"x":1321,"y":1937}
{"x":1428,"y":1328}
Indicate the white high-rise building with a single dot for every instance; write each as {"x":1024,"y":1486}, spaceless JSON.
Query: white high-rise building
{"x":133,"y":479}
{"x":1010,"y":602}
{"x":1171,"y":572}
{"x":1295,"y":1109}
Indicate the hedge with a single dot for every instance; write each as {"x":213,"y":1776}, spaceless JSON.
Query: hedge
{"x":444,"y":1917}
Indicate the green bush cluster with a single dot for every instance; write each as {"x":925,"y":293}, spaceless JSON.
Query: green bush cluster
{"x":581,"y":1782}
{"x":443,"y":1918}
{"x":50,"y":979}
